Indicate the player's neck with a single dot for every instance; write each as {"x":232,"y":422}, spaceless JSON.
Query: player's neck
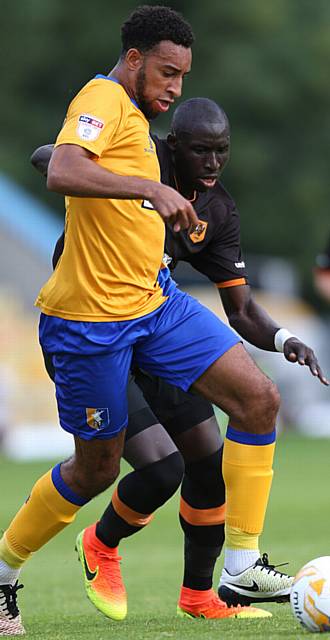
{"x":119,"y":73}
{"x":190,"y":194}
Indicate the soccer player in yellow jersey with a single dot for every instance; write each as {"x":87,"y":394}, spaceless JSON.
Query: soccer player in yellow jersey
{"x":181,"y":427}
{"x":104,"y":307}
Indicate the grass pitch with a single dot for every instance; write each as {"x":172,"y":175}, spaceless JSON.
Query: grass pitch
{"x":53,"y":602}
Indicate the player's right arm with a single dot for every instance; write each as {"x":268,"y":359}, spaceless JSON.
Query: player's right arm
{"x":73,"y":172}
{"x":221,"y":261}
{"x":254,"y":324}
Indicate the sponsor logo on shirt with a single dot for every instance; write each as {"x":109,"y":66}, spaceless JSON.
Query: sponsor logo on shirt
{"x":197,"y":233}
{"x":89,"y":128}
{"x":151,"y":147}
{"x":97,"y":418}
{"x":240,"y":265}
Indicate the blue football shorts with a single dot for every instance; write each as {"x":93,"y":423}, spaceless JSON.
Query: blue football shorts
{"x":92,"y":360}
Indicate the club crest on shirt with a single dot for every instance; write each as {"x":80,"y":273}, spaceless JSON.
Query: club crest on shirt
{"x":197,"y":233}
{"x":166,"y":261}
{"x":97,"y":418}
{"x":89,"y":128}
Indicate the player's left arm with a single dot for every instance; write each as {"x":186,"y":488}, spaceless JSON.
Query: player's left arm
{"x":254,"y":324}
{"x":40,"y":159}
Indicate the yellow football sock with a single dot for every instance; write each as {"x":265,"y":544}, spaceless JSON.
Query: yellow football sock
{"x":10,"y":557}
{"x":247,"y":471}
{"x":237,"y":539}
{"x":44,"y":514}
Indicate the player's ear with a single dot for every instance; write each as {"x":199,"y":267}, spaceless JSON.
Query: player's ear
{"x":134,"y":59}
{"x":171,"y":141}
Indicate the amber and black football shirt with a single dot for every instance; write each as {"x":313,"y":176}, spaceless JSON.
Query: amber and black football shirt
{"x":213,"y":248}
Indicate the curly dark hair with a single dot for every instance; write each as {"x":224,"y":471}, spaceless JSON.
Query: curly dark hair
{"x":149,"y":25}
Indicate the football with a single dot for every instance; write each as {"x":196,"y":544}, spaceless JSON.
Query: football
{"x":310,"y":595}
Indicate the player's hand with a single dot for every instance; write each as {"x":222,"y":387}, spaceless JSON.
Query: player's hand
{"x":296,"y":351}
{"x":173,"y":207}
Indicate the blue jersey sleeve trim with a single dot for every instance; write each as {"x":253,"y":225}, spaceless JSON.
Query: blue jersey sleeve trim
{"x":64,"y":490}
{"x":100,"y":75}
{"x":256,"y":439}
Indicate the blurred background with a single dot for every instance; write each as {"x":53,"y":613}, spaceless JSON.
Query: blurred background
{"x":267,"y":64}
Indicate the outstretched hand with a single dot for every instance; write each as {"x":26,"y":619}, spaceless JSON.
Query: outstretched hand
{"x":296,"y":351}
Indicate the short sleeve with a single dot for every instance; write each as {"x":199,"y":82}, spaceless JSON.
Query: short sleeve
{"x":94,"y":116}
{"x":222,"y":261}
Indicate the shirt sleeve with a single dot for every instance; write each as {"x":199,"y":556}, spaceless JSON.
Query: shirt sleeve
{"x":94,"y":116}
{"x":221,"y":260}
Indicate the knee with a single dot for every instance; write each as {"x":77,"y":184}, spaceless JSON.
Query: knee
{"x":274,"y":398}
{"x":264,"y":406}
{"x":257,"y":411}
{"x":270,"y":403}
{"x":104,"y":477}
{"x":176,"y":472}
{"x":166,"y":475}
{"x":89,"y":481}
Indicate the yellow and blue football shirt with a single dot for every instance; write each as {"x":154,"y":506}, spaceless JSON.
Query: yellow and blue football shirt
{"x":113,"y":248}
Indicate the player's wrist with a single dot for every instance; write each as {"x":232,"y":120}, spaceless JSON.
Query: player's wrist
{"x":280,"y":338}
{"x":151,"y":189}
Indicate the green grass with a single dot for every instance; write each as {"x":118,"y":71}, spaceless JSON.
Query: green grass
{"x":53,"y":603}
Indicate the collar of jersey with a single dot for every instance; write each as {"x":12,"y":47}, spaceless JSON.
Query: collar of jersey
{"x":100,"y":75}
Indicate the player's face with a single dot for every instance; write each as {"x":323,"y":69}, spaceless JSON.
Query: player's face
{"x":159,"y":80}
{"x":201,"y":156}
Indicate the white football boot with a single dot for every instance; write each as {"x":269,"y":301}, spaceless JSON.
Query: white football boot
{"x":259,"y":583}
{"x":10,"y":618}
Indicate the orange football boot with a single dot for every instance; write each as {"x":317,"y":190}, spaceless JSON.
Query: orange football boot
{"x":206,"y":604}
{"x":102,"y":576}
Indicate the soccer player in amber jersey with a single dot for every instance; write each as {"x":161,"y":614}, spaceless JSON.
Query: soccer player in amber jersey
{"x":106,"y":276}
{"x":185,"y":429}
{"x":104,"y":306}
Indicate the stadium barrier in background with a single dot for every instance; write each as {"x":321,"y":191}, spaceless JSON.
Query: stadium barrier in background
{"x":28,"y":417}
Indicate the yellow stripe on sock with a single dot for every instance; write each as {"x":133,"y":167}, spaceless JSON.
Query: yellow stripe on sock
{"x":43,"y":515}
{"x":9,"y":556}
{"x":247,"y":471}
{"x":237,"y":539}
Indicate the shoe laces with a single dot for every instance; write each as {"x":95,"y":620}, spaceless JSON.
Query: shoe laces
{"x":8,"y":599}
{"x":270,"y":568}
{"x":214,"y":604}
{"x":111,"y":568}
